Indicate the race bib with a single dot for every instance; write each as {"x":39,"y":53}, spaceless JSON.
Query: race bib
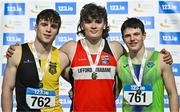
{"x":39,"y":98}
{"x":135,"y":95}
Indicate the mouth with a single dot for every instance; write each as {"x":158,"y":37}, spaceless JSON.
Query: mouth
{"x":132,"y":44}
{"x":47,"y":36}
{"x":93,"y":31}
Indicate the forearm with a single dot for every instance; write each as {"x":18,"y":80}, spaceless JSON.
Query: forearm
{"x":173,"y":101}
{"x":6,"y":100}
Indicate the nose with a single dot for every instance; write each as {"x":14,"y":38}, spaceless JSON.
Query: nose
{"x":93,"y":25}
{"x":131,"y":37}
{"x":48,"y":28}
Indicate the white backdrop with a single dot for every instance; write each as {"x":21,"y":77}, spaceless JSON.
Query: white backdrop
{"x":161,"y":19}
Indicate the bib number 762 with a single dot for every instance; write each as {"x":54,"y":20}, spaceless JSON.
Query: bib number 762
{"x":41,"y":101}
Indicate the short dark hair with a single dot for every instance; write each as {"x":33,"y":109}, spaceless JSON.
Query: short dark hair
{"x":93,"y":11}
{"x":49,"y":15}
{"x":132,"y":23}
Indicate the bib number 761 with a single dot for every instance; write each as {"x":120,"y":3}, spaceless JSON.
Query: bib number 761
{"x":134,"y":98}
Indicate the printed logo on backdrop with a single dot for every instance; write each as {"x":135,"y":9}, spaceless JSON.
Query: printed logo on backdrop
{"x":12,"y":38}
{"x":141,"y":7}
{"x":66,"y":8}
{"x":64,"y":37}
{"x":115,"y":23}
{"x":170,"y":22}
{"x":169,"y":7}
{"x":3,"y":69}
{"x":117,"y":7}
{"x":65,"y":101}
{"x":151,"y":48}
{"x":115,"y":37}
{"x":12,"y":23}
{"x":32,"y":22}
{"x":148,"y":22}
{"x":166,"y":101}
{"x":14,"y":9}
{"x":119,"y":101}
{"x":176,"y":69}
{"x":171,"y":38}
{"x":38,"y":6}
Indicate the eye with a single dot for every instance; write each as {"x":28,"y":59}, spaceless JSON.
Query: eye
{"x":54,"y":26}
{"x":98,"y":21}
{"x":127,"y":36}
{"x":44,"y":24}
{"x":136,"y":34}
{"x":87,"y":21}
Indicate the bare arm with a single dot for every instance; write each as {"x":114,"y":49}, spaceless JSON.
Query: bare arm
{"x":117,"y":87}
{"x":9,"y":81}
{"x":69,"y":49}
{"x":170,"y":85}
{"x":64,"y":64}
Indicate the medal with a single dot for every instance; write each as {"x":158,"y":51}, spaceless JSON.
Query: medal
{"x":138,"y":91}
{"x":40,"y":85}
{"x":41,"y":72}
{"x":93,"y":64}
{"x":138,"y":82}
{"x":94,"y":76}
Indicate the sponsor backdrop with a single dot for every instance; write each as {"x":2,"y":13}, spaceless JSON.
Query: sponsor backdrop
{"x":161,"y":19}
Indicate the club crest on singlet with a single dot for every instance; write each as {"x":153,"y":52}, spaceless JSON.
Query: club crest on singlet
{"x":52,"y":68}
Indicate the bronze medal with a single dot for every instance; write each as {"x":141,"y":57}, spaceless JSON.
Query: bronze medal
{"x":40,"y":85}
{"x":94,"y":76}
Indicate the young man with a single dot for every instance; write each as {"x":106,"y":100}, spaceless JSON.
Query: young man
{"x":144,"y":74}
{"x":34,"y":69}
{"x":93,"y":62}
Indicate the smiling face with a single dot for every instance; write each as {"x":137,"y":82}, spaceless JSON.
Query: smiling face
{"x":134,"y":39}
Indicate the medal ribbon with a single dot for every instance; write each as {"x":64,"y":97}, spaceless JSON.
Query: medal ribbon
{"x":40,"y":72}
{"x":138,"y":83}
{"x":93,"y":65}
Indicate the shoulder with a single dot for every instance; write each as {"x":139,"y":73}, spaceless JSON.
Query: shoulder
{"x":15,"y":58}
{"x":68,"y":44}
{"x":69,"y":48}
{"x":116,"y":48}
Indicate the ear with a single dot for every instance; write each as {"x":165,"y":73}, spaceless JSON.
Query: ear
{"x":82,"y":26}
{"x":104,"y":27}
{"x":35,"y":27}
{"x":144,"y":35}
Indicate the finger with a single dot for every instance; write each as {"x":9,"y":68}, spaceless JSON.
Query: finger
{"x":12,"y":47}
{"x":163,"y":51}
{"x":8,"y":55}
{"x":17,"y":44}
{"x":168,"y":60}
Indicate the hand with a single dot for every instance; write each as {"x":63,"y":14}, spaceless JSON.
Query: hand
{"x":167,"y":57}
{"x":10,"y":50}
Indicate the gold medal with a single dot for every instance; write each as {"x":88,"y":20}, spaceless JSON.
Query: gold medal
{"x":94,"y":76}
{"x":40,"y":85}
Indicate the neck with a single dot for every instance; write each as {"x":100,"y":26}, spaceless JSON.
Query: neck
{"x":42,"y":48}
{"x":137,"y":56}
{"x":93,"y":45}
